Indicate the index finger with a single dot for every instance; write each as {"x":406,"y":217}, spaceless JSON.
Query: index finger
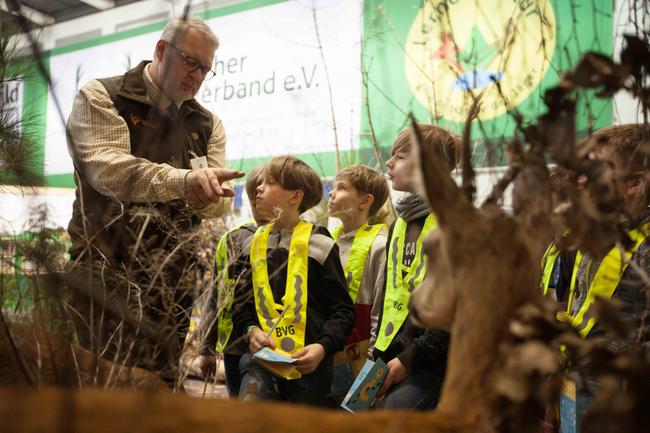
{"x":225,"y":174}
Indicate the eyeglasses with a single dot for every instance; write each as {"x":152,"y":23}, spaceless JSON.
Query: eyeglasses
{"x":192,"y":64}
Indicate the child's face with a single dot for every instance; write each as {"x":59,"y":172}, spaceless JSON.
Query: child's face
{"x":400,"y":170}
{"x":344,"y":199}
{"x":260,"y":218}
{"x":631,"y":187}
{"x":272,"y":200}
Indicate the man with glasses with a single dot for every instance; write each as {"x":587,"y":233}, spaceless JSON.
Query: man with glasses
{"x":149,"y":165}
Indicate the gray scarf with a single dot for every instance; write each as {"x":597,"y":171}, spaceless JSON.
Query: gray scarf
{"x":412,"y":207}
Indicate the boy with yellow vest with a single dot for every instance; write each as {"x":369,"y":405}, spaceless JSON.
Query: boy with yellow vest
{"x":218,"y":335}
{"x":292,"y":295}
{"x":358,"y":194}
{"x":416,"y":358}
{"x":611,"y":276}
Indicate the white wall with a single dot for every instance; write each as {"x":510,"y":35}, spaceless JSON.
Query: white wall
{"x":20,"y":208}
{"x":628,"y":21}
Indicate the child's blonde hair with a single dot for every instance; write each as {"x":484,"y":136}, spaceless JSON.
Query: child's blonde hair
{"x":367,"y":181}
{"x":445,"y":143}
{"x":293,"y":174}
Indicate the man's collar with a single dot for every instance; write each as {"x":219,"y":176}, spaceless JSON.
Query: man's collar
{"x":155,"y":94}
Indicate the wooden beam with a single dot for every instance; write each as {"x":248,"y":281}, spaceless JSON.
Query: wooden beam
{"x":35,"y":16}
{"x":100,"y":4}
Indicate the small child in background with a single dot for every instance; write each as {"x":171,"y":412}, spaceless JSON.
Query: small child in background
{"x":358,"y":193}
{"x":216,"y":327}
{"x":292,"y":294}
{"x":611,"y":276}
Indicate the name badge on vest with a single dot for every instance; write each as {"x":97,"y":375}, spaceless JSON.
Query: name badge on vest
{"x":199,"y":162}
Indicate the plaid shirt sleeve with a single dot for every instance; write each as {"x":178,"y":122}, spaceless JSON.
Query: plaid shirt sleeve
{"x":101,"y":148}
{"x":216,"y":158}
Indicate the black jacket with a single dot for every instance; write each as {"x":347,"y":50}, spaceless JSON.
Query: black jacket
{"x":330,"y":311}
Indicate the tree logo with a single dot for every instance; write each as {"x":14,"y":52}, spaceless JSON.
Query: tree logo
{"x":457,"y":49}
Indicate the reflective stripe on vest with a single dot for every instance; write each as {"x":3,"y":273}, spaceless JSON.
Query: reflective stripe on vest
{"x":399,"y":287}
{"x":359,"y":250}
{"x":607,"y":277}
{"x":289,"y":334}
{"x":548,"y":264}
{"x":225,"y":290}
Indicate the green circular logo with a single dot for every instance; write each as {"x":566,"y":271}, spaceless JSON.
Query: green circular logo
{"x":457,"y":49}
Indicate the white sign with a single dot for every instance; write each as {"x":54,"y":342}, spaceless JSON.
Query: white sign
{"x":11,"y":103}
{"x":277,"y":90}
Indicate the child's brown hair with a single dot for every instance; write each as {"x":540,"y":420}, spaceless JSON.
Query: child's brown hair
{"x":293,"y":174}
{"x":253,"y":180}
{"x":367,"y":181}
{"x":445,"y":143}
{"x":630,"y":144}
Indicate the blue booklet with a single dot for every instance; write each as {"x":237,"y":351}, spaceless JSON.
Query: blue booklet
{"x":347,"y":366}
{"x":277,"y":362}
{"x":266,"y":354}
{"x":363,"y":391}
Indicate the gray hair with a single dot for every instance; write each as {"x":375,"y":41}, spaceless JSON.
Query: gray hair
{"x":178,"y":26}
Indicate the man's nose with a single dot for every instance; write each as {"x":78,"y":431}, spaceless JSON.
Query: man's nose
{"x":197,"y":75}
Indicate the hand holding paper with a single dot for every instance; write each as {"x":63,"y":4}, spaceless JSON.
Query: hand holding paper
{"x":260,"y":340}
{"x":277,"y":362}
{"x":309,"y":357}
{"x":396,"y":374}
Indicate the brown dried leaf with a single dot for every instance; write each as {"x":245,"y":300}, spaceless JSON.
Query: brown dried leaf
{"x":522,"y":330}
{"x":537,"y":356}
{"x":513,"y":387}
{"x":636,"y":54}
{"x":596,"y":70}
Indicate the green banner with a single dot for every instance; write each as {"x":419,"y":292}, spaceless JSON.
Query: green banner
{"x":433,"y":58}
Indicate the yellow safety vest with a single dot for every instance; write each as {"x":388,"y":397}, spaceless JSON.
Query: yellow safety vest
{"x":399,"y":287}
{"x":607,"y":277}
{"x":289,"y":333}
{"x":548,"y":263}
{"x":225,"y":290}
{"x":356,"y":263}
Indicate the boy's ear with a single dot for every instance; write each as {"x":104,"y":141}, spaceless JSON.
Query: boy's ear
{"x":296,"y":197}
{"x":366,"y":201}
